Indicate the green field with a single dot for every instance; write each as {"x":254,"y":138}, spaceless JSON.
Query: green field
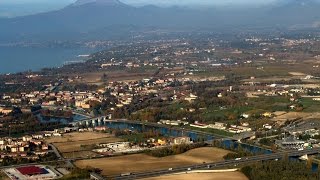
{"x":213,"y":131}
{"x":224,"y":115}
{"x":310,"y":105}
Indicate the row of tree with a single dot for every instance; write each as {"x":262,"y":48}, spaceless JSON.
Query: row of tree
{"x":176,"y":149}
{"x":26,"y":123}
{"x":7,"y":161}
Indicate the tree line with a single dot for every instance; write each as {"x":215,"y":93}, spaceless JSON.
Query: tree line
{"x":174,"y":150}
{"x":281,"y":170}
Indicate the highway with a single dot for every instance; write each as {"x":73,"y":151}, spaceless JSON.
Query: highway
{"x":217,"y":165}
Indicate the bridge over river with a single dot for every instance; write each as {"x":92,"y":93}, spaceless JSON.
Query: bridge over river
{"x":175,"y":131}
{"x":164,"y":129}
{"x":146,"y":126}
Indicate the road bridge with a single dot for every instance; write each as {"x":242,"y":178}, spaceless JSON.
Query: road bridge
{"x":103,"y":120}
{"x":95,"y":121}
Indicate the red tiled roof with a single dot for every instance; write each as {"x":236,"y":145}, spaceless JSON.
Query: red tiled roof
{"x":31,"y":170}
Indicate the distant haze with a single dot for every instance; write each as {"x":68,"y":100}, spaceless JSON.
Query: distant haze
{"x":198,"y":2}
{"x":112,"y":19}
{"x":11,"y":8}
{"x":172,"y":2}
{"x":87,"y":20}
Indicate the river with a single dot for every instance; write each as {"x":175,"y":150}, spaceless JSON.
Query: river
{"x":194,"y":136}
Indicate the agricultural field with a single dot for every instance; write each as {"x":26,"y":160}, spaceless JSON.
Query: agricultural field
{"x":143,"y":162}
{"x":124,"y":75}
{"x":203,"y":176}
{"x":310,"y":105}
{"x":296,"y":115}
{"x":79,"y":144}
{"x":115,"y":76}
{"x":80,"y":154}
{"x":78,"y":136}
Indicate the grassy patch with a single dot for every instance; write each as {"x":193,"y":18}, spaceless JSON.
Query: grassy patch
{"x":216,"y":114}
{"x":212,"y":131}
{"x":310,"y":105}
{"x":133,"y":137}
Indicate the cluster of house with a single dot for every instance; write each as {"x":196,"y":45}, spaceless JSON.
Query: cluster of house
{"x":127,"y":147}
{"x":158,"y":60}
{"x":290,"y":91}
{"x":169,"y":141}
{"x":61,"y":131}
{"x":29,"y":147}
{"x":118,"y":147}
{"x":239,"y":129}
{"x":122,"y":93}
{"x":173,"y":122}
{"x":5,"y":111}
{"x":216,"y":125}
{"x":222,"y":126}
{"x":161,"y":87}
{"x":48,"y":98}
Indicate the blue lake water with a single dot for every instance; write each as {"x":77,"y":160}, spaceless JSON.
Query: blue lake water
{"x":17,"y":59}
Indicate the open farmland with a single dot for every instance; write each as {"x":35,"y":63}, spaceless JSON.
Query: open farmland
{"x":203,"y":176}
{"x":70,"y":146}
{"x":143,"y":162}
{"x":78,"y":136}
{"x":79,"y":144}
{"x":115,"y":76}
{"x":80,"y":154}
{"x":126,"y":75}
{"x":295,"y":115}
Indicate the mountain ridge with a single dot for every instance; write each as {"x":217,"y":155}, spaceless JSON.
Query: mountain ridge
{"x":101,"y":2}
{"x":88,"y":18}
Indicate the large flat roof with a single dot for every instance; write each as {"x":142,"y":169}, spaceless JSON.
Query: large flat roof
{"x":32,"y":170}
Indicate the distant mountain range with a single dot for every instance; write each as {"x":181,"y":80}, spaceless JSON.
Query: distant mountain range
{"x":98,"y":19}
{"x":101,"y":2}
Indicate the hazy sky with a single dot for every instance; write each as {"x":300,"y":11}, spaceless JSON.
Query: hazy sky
{"x":11,"y":8}
{"x":143,"y":1}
